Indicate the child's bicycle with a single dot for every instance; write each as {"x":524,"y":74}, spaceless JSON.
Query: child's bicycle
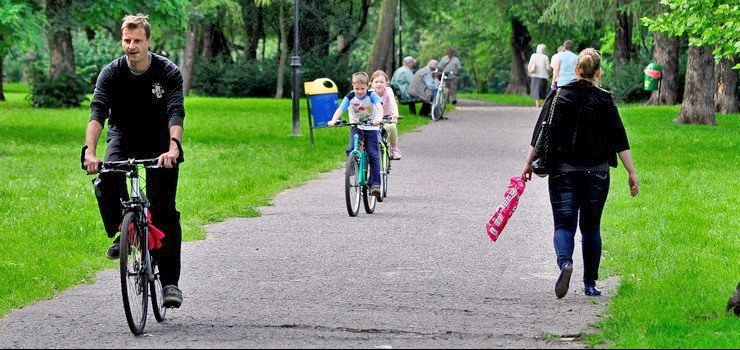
{"x":139,"y":274}
{"x":385,"y":160}
{"x":356,"y":175}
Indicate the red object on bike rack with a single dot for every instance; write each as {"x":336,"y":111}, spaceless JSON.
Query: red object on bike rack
{"x":497,"y":222}
{"x":155,"y":235}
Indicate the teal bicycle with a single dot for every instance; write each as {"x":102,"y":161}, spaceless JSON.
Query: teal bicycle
{"x":356,"y":176}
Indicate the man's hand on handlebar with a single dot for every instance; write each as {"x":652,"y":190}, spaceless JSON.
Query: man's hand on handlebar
{"x":169,"y":159}
{"x":91,"y":162}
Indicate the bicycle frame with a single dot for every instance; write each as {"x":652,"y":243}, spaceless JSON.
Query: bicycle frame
{"x":139,"y":204}
{"x":362,"y":156}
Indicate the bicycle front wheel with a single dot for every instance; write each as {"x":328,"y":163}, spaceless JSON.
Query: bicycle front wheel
{"x":352,"y":185}
{"x":438,"y":107}
{"x":134,"y":283}
{"x":155,"y":288}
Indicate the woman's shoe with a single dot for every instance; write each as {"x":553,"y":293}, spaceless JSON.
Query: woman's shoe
{"x":561,"y":286}
{"x":592,"y":291}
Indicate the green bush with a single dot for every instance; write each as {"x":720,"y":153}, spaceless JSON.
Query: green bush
{"x":221,"y":77}
{"x":92,"y":55}
{"x":242,"y":78}
{"x":626,"y":81}
{"x":67,"y":91}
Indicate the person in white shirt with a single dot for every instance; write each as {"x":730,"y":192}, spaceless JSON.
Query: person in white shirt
{"x":451,"y":64}
{"x":539,"y":70}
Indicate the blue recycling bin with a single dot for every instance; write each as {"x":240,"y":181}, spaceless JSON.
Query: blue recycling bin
{"x":322,"y":96}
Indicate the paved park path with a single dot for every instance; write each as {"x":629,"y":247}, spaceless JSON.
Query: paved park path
{"x":420,"y":272}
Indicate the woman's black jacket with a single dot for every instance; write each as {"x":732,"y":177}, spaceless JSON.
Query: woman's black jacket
{"x":586,"y":128}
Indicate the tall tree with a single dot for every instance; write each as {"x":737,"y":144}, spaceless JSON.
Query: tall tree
{"x":190,"y":56}
{"x":59,"y":39}
{"x":665,"y":53}
{"x":521,"y":49}
{"x":713,"y":28}
{"x":381,"y":56}
{"x":623,"y":33}
{"x":698,"y":101}
{"x":283,"y":50}
{"x":726,"y":78}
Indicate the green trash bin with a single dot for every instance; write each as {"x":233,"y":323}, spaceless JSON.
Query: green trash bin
{"x":653,"y":74}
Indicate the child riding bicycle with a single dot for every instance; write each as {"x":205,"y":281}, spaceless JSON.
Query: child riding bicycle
{"x":380,"y":86}
{"x":364,"y":107}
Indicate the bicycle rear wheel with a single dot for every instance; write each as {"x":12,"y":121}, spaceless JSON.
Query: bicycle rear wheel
{"x":368,"y":200}
{"x":352,"y":185}
{"x":155,"y":288}
{"x":385,"y":161}
{"x":134,"y":283}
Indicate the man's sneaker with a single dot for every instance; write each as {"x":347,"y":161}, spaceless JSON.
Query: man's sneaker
{"x":592,"y":291}
{"x":172,"y":296}
{"x":114,"y":251}
{"x":561,"y":286}
{"x":375,"y":190}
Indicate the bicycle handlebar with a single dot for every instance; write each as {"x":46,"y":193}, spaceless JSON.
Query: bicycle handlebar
{"x":386,"y":120}
{"x":121,"y":164}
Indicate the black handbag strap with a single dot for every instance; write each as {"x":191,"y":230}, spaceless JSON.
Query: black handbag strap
{"x":552,"y":107}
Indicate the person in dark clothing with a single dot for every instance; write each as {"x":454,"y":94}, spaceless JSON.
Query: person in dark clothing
{"x":141,"y":95}
{"x":586,"y":136}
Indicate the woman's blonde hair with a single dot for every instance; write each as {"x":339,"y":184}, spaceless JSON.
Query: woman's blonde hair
{"x":589,"y":63}
{"x":360,"y":78}
{"x":379,"y":73}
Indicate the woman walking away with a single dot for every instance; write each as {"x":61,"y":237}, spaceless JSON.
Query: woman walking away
{"x":539,"y":70}
{"x":586,"y":136}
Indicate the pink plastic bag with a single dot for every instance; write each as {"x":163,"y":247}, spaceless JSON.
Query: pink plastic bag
{"x":501,"y":216}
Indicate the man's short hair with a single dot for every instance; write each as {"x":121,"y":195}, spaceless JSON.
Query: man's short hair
{"x":138,"y":20}
{"x":432,"y":64}
{"x":408,"y":59}
{"x":568,"y":45}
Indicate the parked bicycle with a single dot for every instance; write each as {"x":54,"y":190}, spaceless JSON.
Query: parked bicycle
{"x":139,"y":274}
{"x":440,"y":100}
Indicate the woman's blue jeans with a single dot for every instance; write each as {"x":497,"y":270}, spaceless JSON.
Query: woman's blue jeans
{"x":578,"y":199}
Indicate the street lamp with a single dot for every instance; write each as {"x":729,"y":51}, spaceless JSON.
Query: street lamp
{"x":295,"y":62}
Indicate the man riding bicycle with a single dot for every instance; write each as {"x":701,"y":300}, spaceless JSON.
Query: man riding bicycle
{"x":141,"y":95}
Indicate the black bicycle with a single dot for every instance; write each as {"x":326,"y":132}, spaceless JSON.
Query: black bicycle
{"x":139,"y":274}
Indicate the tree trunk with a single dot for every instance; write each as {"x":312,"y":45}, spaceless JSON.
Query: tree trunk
{"x":251,"y":36}
{"x":283,"y":51}
{"x":314,"y":27}
{"x":698,"y":99}
{"x":59,"y":39}
{"x":383,"y":46}
{"x":189,"y":57}
{"x":623,"y":37}
{"x":520,"y":52}
{"x":2,"y":94}
{"x":214,"y":42}
{"x":725,"y":100}
{"x":346,"y":42}
{"x":666,"y":55}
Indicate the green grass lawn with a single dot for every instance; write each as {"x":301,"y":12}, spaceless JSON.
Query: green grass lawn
{"x":504,"y":99}
{"x":239,"y":154}
{"x":675,"y":246}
